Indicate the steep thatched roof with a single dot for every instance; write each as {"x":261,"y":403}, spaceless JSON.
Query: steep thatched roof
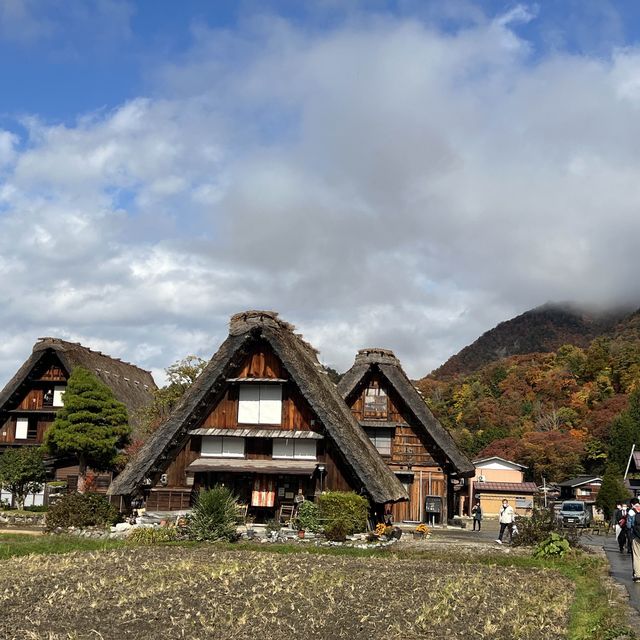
{"x":130,"y":384}
{"x":389,"y":366}
{"x":299,"y":359}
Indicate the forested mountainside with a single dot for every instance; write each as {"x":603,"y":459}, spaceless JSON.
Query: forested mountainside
{"x":561,"y":413}
{"x":540,"y":330}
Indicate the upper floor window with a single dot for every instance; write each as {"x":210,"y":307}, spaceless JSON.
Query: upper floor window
{"x":222,"y":446}
{"x":381,"y":440}
{"x":260,"y":404}
{"x":301,"y":449}
{"x":375,"y":403}
{"x":58,"y":393}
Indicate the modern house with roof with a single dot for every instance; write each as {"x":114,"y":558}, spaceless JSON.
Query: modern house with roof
{"x":414,"y":445}
{"x":497,"y":479}
{"x":30,"y":400}
{"x":264,"y":419}
{"x":583,"y":488}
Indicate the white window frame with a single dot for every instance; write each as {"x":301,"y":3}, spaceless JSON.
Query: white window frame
{"x":260,"y":404}
{"x":58,"y":393}
{"x":22,"y":428}
{"x":222,"y":447}
{"x":294,"y":449}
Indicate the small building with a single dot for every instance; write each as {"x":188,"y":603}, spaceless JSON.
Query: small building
{"x":263,"y":419}
{"x":583,"y":488}
{"x":497,"y":479}
{"x":30,"y":400}
{"x":411,"y":441}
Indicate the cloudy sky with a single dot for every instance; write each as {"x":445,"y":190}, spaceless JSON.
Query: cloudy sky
{"x":397,"y":174}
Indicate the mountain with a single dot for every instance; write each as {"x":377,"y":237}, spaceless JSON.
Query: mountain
{"x":540,"y":330}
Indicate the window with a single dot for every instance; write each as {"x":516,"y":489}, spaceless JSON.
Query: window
{"x":22,"y":428}
{"x":584,"y":492}
{"x":47,"y":398}
{"x":32,"y":429}
{"x":222,"y":447}
{"x":290,"y":448}
{"x":524,"y":503}
{"x":260,"y":404}
{"x":58,"y":392}
{"x":375,"y":403}
{"x":381,"y":439}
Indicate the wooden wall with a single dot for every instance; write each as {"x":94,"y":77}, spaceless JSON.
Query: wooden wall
{"x":8,"y":431}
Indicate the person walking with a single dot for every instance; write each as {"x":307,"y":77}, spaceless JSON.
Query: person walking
{"x":507,"y":516}
{"x":634,"y":530}
{"x":630,"y":519}
{"x":620,"y":522}
{"x":476,"y":512}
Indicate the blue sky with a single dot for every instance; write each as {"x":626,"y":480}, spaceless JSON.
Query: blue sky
{"x":398,"y":174}
{"x":66,"y":62}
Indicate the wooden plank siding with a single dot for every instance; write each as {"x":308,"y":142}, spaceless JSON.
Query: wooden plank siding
{"x":297,"y":415}
{"x":410,"y":450}
{"x":8,"y":432}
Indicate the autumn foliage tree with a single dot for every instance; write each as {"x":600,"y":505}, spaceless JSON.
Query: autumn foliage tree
{"x":92,"y":426}
{"x":559,"y":413}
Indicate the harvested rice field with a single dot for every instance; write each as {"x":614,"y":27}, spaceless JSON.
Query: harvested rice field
{"x":203,"y":592}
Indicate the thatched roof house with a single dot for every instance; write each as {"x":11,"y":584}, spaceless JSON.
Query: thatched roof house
{"x":259,"y":337}
{"x":411,"y":440}
{"x":130,"y":384}
{"x":30,"y":400}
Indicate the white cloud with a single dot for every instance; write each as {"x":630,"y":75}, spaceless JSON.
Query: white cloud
{"x":380,"y":184}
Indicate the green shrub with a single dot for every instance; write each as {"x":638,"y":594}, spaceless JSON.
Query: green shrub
{"x":37,"y":508}
{"x":153,"y":535}
{"x":349,"y":508}
{"x":81,"y":510}
{"x":539,"y":526}
{"x":555,"y":546}
{"x":213,"y":516}
{"x":308,"y":517}
{"x":337,"y":530}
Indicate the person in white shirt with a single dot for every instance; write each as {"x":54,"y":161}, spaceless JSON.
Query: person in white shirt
{"x":507,"y":516}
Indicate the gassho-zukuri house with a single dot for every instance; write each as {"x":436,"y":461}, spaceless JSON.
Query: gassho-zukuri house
{"x":30,"y":400}
{"x":415,"y":446}
{"x":264,"y":419}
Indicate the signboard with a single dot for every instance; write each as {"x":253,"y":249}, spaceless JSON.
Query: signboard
{"x":433,"y":504}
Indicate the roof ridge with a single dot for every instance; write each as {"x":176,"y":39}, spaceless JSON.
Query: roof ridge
{"x":90,"y":350}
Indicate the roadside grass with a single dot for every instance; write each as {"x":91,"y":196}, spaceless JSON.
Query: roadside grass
{"x":595,"y":612}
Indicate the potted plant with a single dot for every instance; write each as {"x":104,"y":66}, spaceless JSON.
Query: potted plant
{"x":422,"y":531}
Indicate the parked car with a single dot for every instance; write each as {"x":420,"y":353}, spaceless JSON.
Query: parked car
{"x":574,"y":513}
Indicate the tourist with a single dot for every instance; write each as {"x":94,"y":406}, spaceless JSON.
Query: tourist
{"x":634,"y":536}
{"x":620,"y":521}
{"x":476,"y":512}
{"x":507,"y":516}
{"x":630,"y":519}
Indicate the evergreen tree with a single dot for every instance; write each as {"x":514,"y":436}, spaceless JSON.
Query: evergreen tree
{"x":92,"y":425}
{"x":612,"y":491}
{"x":625,"y":432}
{"x":22,"y":472}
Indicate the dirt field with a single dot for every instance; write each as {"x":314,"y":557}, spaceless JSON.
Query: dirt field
{"x":172,"y":592}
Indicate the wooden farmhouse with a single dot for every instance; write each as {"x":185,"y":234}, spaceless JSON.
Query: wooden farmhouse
{"x":30,"y":400}
{"x":415,"y":446}
{"x":265,"y":420}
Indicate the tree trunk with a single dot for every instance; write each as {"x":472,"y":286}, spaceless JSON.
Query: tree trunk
{"x":82,"y":474}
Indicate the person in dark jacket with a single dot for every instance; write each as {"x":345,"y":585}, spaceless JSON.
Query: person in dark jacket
{"x":620,"y":522}
{"x":476,"y":513}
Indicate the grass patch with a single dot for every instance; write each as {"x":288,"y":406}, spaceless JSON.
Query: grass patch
{"x":12,"y":544}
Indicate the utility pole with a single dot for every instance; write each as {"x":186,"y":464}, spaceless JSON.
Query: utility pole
{"x":626,"y":471}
